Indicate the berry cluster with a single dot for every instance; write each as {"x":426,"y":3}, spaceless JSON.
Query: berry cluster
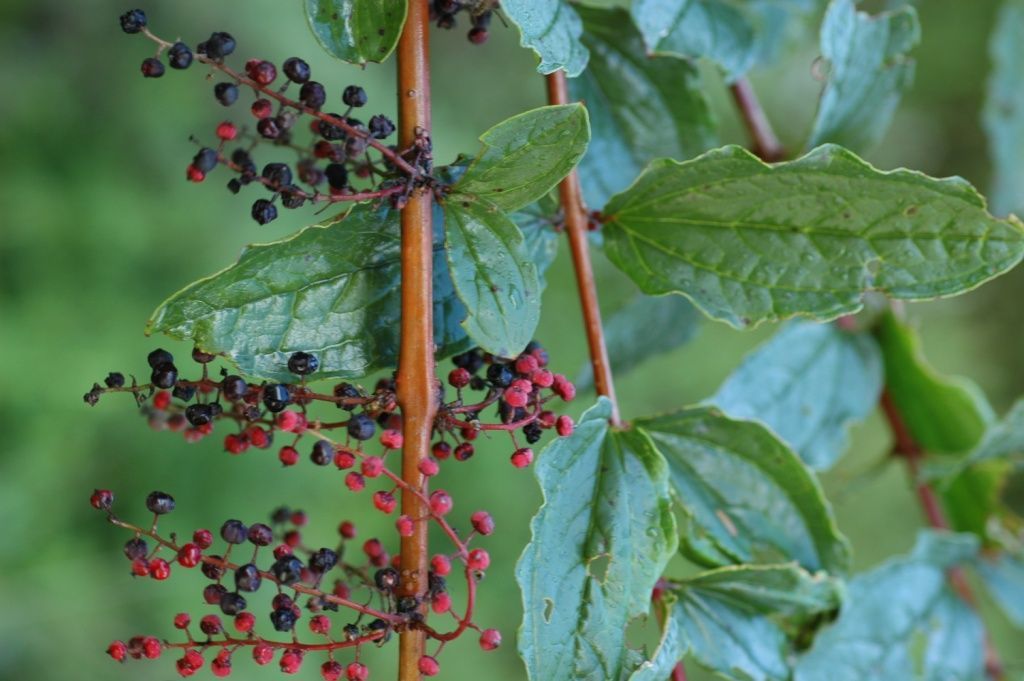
{"x":313,"y":586}
{"x":345,"y":159}
{"x":444,"y":12}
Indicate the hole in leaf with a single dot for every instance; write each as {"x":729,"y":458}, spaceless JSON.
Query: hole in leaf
{"x":549,"y":608}
{"x":597,"y":567}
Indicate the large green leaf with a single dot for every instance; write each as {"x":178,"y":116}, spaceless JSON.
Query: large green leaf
{"x":778,"y":23}
{"x":640,"y":108}
{"x":808,"y":384}
{"x":731,"y":620}
{"x":552,"y":29}
{"x":629,"y":337}
{"x":357,"y":31}
{"x":523,"y":157}
{"x":868,"y":72}
{"x":944,"y":414}
{"x":749,"y":242}
{"x":713,"y":29}
{"x":902,"y":621}
{"x":493,"y":276}
{"x":599,"y":544}
{"x":1003,"y":115}
{"x":1004,"y":577}
{"x":746,"y":496}
{"x":537,"y":223}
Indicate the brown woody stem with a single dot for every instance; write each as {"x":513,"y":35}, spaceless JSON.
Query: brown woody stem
{"x":576,"y":227}
{"x":766,"y":145}
{"x":417,"y":385}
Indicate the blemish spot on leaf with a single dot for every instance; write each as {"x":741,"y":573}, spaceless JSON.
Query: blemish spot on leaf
{"x":549,"y":608}
{"x":597,"y":567}
{"x":730,"y":527}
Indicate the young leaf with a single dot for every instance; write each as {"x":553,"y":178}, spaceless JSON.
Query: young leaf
{"x":599,"y":544}
{"x":640,"y":108}
{"x":1003,"y":115}
{"x":357,"y":31}
{"x":944,"y":415}
{"x":902,"y":621}
{"x":746,"y":496}
{"x":525,"y":156}
{"x":749,"y":242}
{"x":694,"y":29}
{"x":1004,"y":578}
{"x":808,"y":384}
{"x":552,"y":29}
{"x":493,"y":276}
{"x":868,"y":72}
{"x":645,"y":327}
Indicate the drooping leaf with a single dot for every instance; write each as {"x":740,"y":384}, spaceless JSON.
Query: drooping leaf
{"x":868,"y":70}
{"x":746,"y":496}
{"x":749,"y":242}
{"x":493,"y":276}
{"x":808,"y":384}
{"x":713,"y":29}
{"x":944,"y":414}
{"x":599,"y":544}
{"x":357,"y":31}
{"x":1004,"y":578}
{"x":552,"y":29}
{"x":1003,"y":115}
{"x":523,"y":157}
{"x":645,"y":327}
{"x":537,"y":223}
{"x":902,"y":621}
{"x":640,"y":108}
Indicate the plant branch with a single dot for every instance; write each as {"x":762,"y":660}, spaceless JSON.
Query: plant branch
{"x":911,"y":451}
{"x":576,"y":227}
{"x":417,"y":384}
{"x":766,"y":145}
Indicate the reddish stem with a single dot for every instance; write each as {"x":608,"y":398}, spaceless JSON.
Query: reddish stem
{"x":679,"y":673}
{"x":766,"y":145}
{"x":576,"y":218}
{"x":288,"y":645}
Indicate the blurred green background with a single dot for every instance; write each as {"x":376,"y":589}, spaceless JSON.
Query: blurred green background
{"x":98,"y":226}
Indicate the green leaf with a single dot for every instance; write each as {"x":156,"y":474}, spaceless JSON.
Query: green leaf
{"x":1003,"y":115}
{"x":749,"y":242}
{"x":599,"y":544}
{"x":695,"y":29}
{"x":746,"y":496}
{"x":868,"y":72}
{"x":670,"y":650}
{"x":1004,"y":440}
{"x":523,"y":157}
{"x":493,"y":276}
{"x":628,"y":333}
{"x":537,"y":223}
{"x":1004,"y":578}
{"x":902,"y":621}
{"x":808,"y":384}
{"x":974,"y":497}
{"x":777,"y":22}
{"x":552,"y":29}
{"x":640,"y":108}
{"x":357,"y":31}
{"x":729,"y":617}
{"x":944,"y":414}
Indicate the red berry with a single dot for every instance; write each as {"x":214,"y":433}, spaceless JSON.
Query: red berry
{"x":194,"y":659}
{"x":118,"y":650}
{"x":384,"y":501}
{"x":291,"y":662}
{"x":373,"y":548}
{"x":564,"y":426}
{"x":203,"y":538}
{"x":478,"y":35}
{"x":482,"y":522}
{"x":263,"y":654}
{"x":546,"y":419}
{"x":182,"y":620}
{"x":464,"y":452}
{"x":442,"y":603}
{"x":357,"y":672}
{"x":564,"y":388}
{"x":262,"y":108}
{"x":440,"y":502}
{"x":299,"y":518}
{"x":441,"y":565}
{"x":526,"y":365}
{"x":293,"y":538}
{"x":478,"y":559}
{"x":373,"y":466}
{"x":263,"y":72}
{"x":515,"y":397}
{"x":542,"y":378}
{"x":189,"y":555}
{"x":221,"y":665}
{"x":391,"y":438}
{"x":441,"y":450}
{"x":331,"y":671}
{"x":355,"y":481}
{"x":210,"y":625}
{"x":258,"y":437}
{"x":429,"y":666}
{"x":159,"y":569}
{"x":521,"y":458}
{"x":404,"y":525}
{"x":320,"y":624}
{"x":281,"y":551}
{"x":235,"y":444}
{"x":289,"y":456}
{"x":244,"y":622}
{"x":490,"y":639}
{"x":102,"y":499}
{"x":459,"y":378}
{"x":344,"y":459}
{"x":151,"y":648}
{"x":347,"y":529}
{"x":162,"y":400}
{"x":522,"y":384}
{"x":140,"y":567}
{"x":287,"y":420}
{"x":428,"y":467}
{"x":227,"y":131}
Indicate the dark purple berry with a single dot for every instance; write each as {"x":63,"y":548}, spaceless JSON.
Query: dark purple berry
{"x":292,"y":196}
{"x":218,"y":45}
{"x":323,"y":560}
{"x":158,"y":357}
{"x":361,"y":427}
{"x":303,"y":363}
{"x":268,"y":128}
{"x":226,"y":93}
{"x":179,"y":56}
{"x":277,"y":174}
{"x":213,"y":571}
{"x":500,"y":375}
{"x":164,"y":375}
{"x":234,"y":387}
{"x":160,"y":503}
{"x":261,"y":535}
{"x":354,"y":96}
{"x":287,"y":570}
{"x":199,"y":414}
{"x":234,"y":532}
{"x":133,"y":21}
{"x":114,"y":380}
{"x":533,"y":432}
{"x":205,"y":160}
{"x":152,"y":67}
{"x":386,"y":579}
{"x":283,"y":619}
{"x":381,"y":127}
{"x":214,"y":593}
{"x":136,"y":548}
{"x":346,"y":390}
{"x":276,"y":397}
{"x":185,"y":393}
{"x":337,"y":175}
{"x":234,"y":186}
{"x":312,"y":94}
{"x":263,"y":211}
{"x":330,"y":131}
{"x":231,"y":603}
{"x":247,"y":578}
{"x":323,"y":453}
{"x":296,"y":70}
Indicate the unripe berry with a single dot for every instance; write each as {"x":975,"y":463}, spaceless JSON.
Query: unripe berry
{"x":182,"y":620}
{"x":482,"y":522}
{"x":357,"y":672}
{"x":210,"y":625}
{"x":194,"y":174}
{"x":320,"y":624}
{"x":288,"y":456}
{"x":331,"y":671}
{"x":542,"y":378}
{"x":522,"y":457}
{"x":235,"y":444}
{"x":459,"y":378}
{"x":516,"y":397}
{"x":526,"y":365}
{"x":262,"y":654}
{"x":564,"y":388}
{"x":428,"y":467}
{"x":478,"y":559}
{"x":441,"y":450}
{"x":189,"y":555}
{"x":464,"y":452}
{"x":428,"y":666}
{"x":391,"y":438}
{"x":355,"y":481}
{"x":441,"y":565}
{"x":151,"y":648}
{"x":405,"y":526}
{"x":564,"y":426}
{"x":347,"y":529}
{"x":118,"y":650}
{"x":440,"y":502}
{"x":344,"y":459}
{"x":221,"y":665}
{"x":159,"y":569}
{"x":291,"y":662}
{"x":384,"y":501}
{"x":373,"y":548}
{"x":490,"y":639}
{"x":373,"y":466}
{"x":244,"y":622}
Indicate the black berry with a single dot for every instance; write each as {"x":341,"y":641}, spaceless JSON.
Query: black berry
{"x":312,"y":94}
{"x":230,"y":603}
{"x":283,"y":619}
{"x":234,"y":387}
{"x":386,"y":579}
{"x":261,"y":535}
{"x":303,"y":363}
{"x":323,"y":560}
{"x":269,"y":128}
{"x":164,"y":375}
{"x":133,"y":21}
{"x":199,"y":414}
{"x":185,"y":393}
{"x":278,"y":174}
{"x":292,"y":196}
{"x":323,"y":453}
{"x":276,"y":397}
{"x":234,"y":532}
{"x":381,"y":127}
{"x":287,"y":570}
{"x":337,"y":175}
{"x":205,"y":160}
{"x":226,"y":93}
{"x":330,"y":131}
{"x":179,"y":56}
{"x":296,"y":70}
{"x":152,"y":67}
{"x":263,"y":211}
{"x":158,"y":357}
{"x":247,"y":578}
{"x":114,"y":380}
{"x":160,"y":502}
{"x":346,"y":390}
{"x":500,"y":375}
{"x":136,"y":548}
{"x":219,"y":45}
{"x":354,"y":96}
{"x":361,"y":427}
